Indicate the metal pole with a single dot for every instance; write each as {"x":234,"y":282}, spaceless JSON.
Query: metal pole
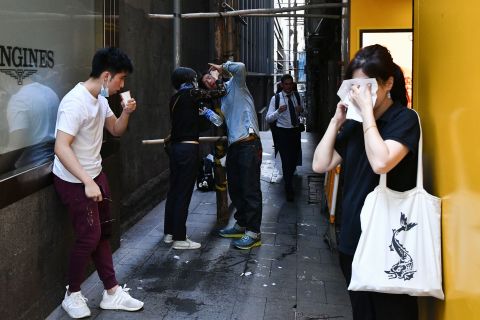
{"x":230,"y":35}
{"x":273,"y":15}
{"x":200,"y":139}
{"x":219,"y":25}
{"x":220,"y":173}
{"x":295,"y":46}
{"x":289,"y":38}
{"x":246,"y":11}
{"x":345,"y":50}
{"x":176,"y":33}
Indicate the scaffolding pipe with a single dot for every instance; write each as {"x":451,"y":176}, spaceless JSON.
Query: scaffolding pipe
{"x":295,"y":45}
{"x":293,"y":15}
{"x":200,"y":139}
{"x":259,"y":15}
{"x":245,"y":12}
{"x":176,"y":33}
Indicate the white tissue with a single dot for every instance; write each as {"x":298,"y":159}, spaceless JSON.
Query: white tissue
{"x":352,"y":111}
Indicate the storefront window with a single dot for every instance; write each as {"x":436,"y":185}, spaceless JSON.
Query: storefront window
{"x":46,"y":47}
{"x":400,"y":45}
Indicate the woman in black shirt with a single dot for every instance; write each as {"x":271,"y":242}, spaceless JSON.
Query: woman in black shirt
{"x":385,"y":142}
{"x":184,"y":154}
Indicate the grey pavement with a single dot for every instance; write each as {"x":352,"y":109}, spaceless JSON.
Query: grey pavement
{"x":293,"y":275}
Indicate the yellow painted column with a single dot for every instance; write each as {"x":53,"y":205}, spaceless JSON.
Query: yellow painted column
{"x":446,"y":66}
{"x":377,"y":14}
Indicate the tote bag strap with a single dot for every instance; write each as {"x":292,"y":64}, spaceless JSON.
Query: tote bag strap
{"x":383,"y":177}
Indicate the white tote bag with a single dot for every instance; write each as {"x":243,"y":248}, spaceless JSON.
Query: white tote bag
{"x":400,"y":246}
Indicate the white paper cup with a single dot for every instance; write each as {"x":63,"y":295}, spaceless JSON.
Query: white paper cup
{"x":125,"y":96}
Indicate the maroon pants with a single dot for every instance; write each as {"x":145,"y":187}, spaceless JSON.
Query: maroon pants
{"x":92,"y":225}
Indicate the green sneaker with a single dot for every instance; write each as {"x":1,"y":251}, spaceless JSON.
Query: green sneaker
{"x":233,"y":232}
{"x":247,"y":242}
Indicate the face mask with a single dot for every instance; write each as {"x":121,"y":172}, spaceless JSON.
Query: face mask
{"x":104,"y":89}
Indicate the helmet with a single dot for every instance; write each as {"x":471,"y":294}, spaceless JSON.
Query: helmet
{"x":183,"y":75}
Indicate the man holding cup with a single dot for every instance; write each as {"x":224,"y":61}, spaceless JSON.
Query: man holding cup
{"x":80,"y":182}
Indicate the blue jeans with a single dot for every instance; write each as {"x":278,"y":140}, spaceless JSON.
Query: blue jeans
{"x":243,"y":174}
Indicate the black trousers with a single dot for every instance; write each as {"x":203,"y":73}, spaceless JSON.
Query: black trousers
{"x":243,"y":174}
{"x":184,"y":162}
{"x":375,"y":305}
{"x":288,"y":144}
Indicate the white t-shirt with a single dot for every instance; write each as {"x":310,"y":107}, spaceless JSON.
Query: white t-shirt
{"x":83,"y":116}
{"x":33,"y":109}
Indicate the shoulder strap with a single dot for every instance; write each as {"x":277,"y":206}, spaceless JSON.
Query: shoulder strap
{"x":175,"y":103}
{"x":277,"y":101}
{"x":297,"y":95}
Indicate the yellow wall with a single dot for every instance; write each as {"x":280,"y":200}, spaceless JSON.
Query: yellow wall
{"x":377,"y":14}
{"x":447,"y":96}
{"x":446,"y":93}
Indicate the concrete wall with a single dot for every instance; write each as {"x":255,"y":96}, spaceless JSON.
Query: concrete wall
{"x":33,"y":239}
{"x":35,"y":232}
{"x":35,"y":236}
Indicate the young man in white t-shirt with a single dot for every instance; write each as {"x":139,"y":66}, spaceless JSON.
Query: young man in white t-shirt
{"x":82,"y":186}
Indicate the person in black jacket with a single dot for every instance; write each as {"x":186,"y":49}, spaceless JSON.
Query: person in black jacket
{"x":385,"y":142}
{"x":184,"y":153}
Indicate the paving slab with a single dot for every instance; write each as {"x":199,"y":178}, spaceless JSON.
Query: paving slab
{"x":293,"y":275}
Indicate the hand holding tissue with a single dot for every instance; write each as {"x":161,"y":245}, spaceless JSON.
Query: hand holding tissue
{"x":353,"y":112}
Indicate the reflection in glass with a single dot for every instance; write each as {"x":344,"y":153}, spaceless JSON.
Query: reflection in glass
{"x":53,"y":52}
{"x":31,"y":114}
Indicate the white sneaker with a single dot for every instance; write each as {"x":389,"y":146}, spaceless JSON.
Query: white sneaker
{"x":120,"y":300}
{"x":185,"y":244}
{"x":168,"y":238}
{"x":75,"y":305}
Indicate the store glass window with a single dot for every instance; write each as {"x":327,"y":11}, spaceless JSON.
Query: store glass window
{"x":400,"y":44}
{"x":46,"y":47}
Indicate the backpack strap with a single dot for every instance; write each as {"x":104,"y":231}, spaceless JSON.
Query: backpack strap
{"x":168,"y":138}
{"x":277,"y":104}
{"x":174,"y":104}
{"x":297,"y":95}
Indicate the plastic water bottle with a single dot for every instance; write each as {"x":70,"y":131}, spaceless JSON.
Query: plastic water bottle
{"x":212,"y":116}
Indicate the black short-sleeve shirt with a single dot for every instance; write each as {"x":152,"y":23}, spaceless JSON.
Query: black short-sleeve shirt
{"x":397,"y":123}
